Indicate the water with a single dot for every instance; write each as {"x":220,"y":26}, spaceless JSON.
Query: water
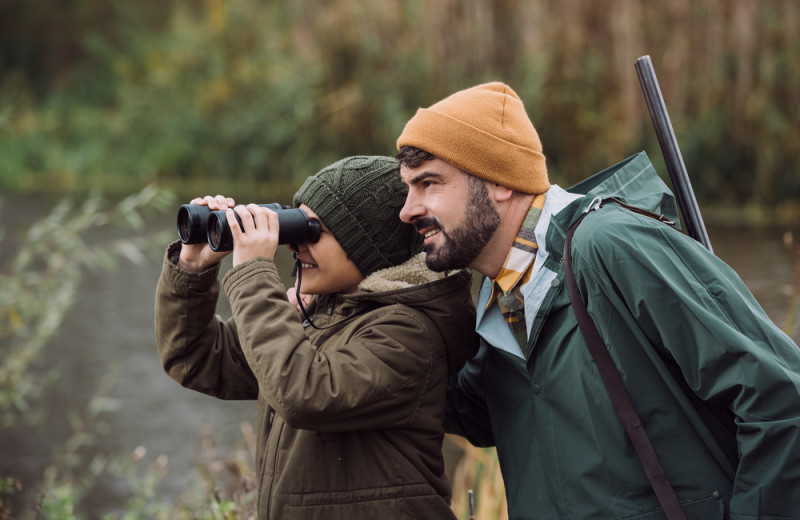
{"x":110,"y":329}
{"x":108,"y":333}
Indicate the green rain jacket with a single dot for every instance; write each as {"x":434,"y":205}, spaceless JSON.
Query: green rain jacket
{"x":716,"y":384}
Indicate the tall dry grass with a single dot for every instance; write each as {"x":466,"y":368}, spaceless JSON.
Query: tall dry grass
{"x":477,"y":471}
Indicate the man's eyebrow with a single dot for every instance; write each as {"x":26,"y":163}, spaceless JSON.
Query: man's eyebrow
{"x":423,"y":177}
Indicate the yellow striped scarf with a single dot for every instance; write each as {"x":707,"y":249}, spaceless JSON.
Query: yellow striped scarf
{"x":515,"y":274}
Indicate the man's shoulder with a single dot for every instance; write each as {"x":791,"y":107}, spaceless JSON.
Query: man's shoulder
{"x":613,"y":229}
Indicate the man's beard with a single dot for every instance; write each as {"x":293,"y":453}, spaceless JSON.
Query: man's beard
{"x":462,"y":245}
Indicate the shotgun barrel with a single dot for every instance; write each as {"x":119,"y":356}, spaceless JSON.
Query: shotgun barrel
{"x":672,"y":154}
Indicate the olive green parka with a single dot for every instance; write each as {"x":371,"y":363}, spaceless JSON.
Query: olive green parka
{"x":349,"y":417}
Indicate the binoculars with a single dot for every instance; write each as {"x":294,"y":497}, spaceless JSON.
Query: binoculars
{"x":197,"y":224}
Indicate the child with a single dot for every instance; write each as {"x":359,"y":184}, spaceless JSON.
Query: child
{"x":350,"y":398}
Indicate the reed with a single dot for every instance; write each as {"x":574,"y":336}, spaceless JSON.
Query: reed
{"x":477,"y":474}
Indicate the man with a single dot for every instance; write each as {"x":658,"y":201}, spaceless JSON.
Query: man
{"x":715,"y":383}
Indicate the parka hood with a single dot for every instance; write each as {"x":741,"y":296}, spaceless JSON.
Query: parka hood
{"x":633,"y":181}
{"x":413,"y":284}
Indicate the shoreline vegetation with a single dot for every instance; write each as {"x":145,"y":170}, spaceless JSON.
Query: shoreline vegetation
{"x":193,"y":94}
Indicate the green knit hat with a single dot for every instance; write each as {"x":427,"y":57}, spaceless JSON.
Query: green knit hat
{"x":359,"y":200}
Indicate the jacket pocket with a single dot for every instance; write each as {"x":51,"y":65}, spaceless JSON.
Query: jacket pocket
{"x":709,"y":507}
{"x":359,"y":496}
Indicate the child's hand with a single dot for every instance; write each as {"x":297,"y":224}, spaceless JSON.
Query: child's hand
{"x":291,"y":294}
{"x":199,"y":257}
{"x":258,"y":234}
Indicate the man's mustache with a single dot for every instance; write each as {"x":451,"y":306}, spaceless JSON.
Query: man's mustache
{"x":426,"y":223}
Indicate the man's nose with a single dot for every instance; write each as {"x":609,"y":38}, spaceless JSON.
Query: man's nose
{"x":411,"y":209}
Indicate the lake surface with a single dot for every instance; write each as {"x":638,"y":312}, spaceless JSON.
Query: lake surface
{"x":110,"y":328}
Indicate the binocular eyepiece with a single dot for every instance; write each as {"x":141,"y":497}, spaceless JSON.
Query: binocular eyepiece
{"x":197,"y":224}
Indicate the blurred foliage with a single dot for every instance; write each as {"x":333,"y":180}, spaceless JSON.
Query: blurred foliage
{"x":41,"y":278}
{"x":252,"y":96}
{"x":41,"y":272}
{"x":477,"y":472}
{"x":792,"y":322}
{"x":221,"y":488}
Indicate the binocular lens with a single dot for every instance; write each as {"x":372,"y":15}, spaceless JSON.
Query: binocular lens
{"x":217,"y":233}
{"x":197,"y":223}
{"x":192,"y":220}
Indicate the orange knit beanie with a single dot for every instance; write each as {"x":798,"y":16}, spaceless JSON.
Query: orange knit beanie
{"x":483,"y":131}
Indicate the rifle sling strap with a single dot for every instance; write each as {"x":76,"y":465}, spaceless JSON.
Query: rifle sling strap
{"x":616,"y":390}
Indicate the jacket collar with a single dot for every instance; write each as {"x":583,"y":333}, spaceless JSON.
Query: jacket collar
{"x":633,"y":181}
{"x":490,"y":322}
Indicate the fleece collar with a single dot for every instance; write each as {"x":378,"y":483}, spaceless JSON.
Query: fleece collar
{"x":408,"y":274}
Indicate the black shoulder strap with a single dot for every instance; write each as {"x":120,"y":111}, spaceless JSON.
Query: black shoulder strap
{"x":616,"y":390}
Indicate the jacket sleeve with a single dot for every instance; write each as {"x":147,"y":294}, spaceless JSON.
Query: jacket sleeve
{"x":466,"y":413}
{"x":698,"y":312}
{"x":373,"y":375}
{"x":197,"y":348}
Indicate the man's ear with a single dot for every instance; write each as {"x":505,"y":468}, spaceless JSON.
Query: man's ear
{"x":498,"y":192}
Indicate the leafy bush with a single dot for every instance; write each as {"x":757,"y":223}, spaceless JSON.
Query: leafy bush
{"x":255,"y":96}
